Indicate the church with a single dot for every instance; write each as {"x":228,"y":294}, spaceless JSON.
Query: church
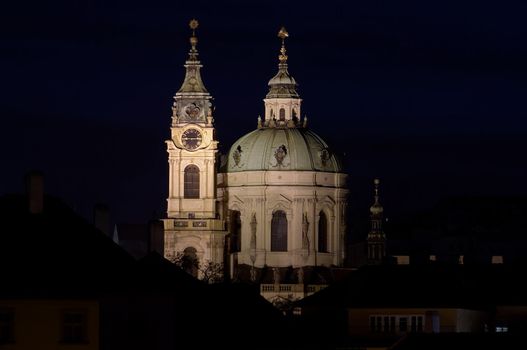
{"x":277,"y":203}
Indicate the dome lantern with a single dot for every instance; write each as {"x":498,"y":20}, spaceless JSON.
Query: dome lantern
{"x":282,"y":102}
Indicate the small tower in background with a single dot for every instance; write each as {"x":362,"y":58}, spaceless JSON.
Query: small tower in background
{"x":376,"y":237}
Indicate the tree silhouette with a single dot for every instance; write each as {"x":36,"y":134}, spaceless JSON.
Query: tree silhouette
{"x":208,"y":272}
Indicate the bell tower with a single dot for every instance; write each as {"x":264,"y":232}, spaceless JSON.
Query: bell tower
{"x":193,"y":224}
{"x":376,"y":237}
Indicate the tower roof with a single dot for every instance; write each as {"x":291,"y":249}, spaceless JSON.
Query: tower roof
{"x":193,"y":82}
{"x":282,"y":85}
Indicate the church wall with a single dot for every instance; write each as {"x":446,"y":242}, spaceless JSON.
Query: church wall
{"x":208,"y":244}
{"x":297,"y":193}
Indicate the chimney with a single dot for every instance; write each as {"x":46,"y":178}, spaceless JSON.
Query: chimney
{"x":101,"y":218}
{"x":157,"y":236}
{"x":35,"y":191}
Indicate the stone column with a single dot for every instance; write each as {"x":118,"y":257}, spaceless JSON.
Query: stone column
{"x":296,"y":221}
{"x":170,"y":178}
{"x":312,"y":218}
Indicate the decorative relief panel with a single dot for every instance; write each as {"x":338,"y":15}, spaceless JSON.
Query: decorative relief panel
{"x":199,"y":224}
{"x":280,"y":154}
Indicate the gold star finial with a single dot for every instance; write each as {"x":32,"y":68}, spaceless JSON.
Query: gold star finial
{"x":282,"y":34}
{"x":193,"y":25}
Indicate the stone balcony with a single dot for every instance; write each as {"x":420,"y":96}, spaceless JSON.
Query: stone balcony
{"x":289,"y":291}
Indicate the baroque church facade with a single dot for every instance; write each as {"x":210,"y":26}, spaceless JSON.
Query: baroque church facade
{"x":278,"y":201}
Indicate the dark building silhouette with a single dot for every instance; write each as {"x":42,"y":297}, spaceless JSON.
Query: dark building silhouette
{"x":64,"y":282}
{"x":378,"y":306}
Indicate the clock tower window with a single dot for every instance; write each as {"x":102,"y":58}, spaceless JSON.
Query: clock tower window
{"x":191,"y":180}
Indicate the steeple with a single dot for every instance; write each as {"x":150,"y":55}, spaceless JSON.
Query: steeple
{"x":193,"y":103}
{"x":376,"y":237}
{"x":376,"y":209}
{"x":282,"y":102}
{"x":193,"y":225}
{"x":193,"y":82}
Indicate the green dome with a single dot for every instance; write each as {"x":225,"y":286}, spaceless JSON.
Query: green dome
{"x":281,"y":149}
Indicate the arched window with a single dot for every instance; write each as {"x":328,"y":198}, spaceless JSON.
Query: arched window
{"x":191,"y":181}
{"x":189,"y":261}
{"x":236,"y":231}
{"x":322,"y":233}
{"x":279,"y":232}
{"x":282,"y":114}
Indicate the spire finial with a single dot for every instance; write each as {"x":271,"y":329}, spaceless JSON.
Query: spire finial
{"x":376,"y":183}
{"x":193,"y":24}
{"x":282,"y":34}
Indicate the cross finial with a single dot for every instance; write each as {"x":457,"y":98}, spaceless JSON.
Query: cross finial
{"x":282,"y":34}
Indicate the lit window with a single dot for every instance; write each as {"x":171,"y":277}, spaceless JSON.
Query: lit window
{"x":392,"y":324}
{"x":74,"y":327}
{"x":386,"y":321}
{"x":403,"y":324}
{"x":379,"y":324}
{"x":497,"y":259}
{"x":419,"y":323}
{"x":396,"y":323}
{"x":402,"y":259}
{"x":6,"y":326}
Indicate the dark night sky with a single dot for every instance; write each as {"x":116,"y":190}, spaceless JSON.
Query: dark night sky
{"x":429,"y":96}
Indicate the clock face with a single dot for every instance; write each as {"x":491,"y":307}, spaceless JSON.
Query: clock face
{"x":191,"y":139}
